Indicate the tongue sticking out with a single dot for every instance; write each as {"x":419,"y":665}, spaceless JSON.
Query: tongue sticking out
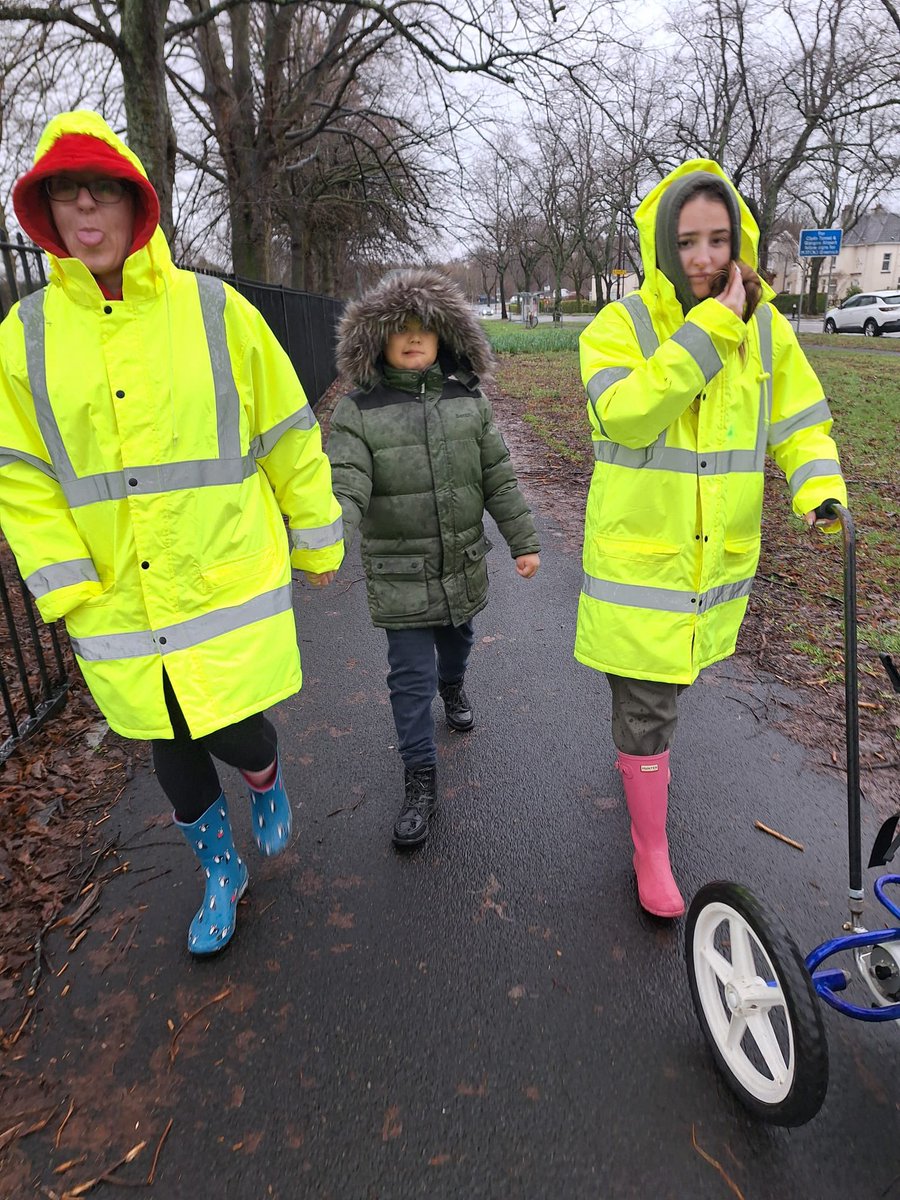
{"x":90,"y":237}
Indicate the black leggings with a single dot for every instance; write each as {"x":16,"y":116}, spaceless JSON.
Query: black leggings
{"x":184,"y":766}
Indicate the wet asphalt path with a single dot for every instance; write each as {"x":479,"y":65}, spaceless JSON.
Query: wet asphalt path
{"x":489,"y":1018}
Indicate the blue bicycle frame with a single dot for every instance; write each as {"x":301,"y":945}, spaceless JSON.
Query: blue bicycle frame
{"x":832,"y":980}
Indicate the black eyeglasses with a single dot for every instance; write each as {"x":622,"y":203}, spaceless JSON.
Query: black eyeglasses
{"x":104,"y":191}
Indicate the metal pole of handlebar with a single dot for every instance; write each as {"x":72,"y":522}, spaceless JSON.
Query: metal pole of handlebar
{"x":851,"y":705}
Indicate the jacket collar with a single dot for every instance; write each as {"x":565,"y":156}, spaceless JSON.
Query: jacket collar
{"x":144,"y":275}
{"x":413,"y":381}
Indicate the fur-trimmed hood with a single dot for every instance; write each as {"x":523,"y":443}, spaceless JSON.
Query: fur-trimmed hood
{"x":439,"y":305}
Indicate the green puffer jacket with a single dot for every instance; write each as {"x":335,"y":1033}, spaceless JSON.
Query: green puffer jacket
{"x":416,"y":459}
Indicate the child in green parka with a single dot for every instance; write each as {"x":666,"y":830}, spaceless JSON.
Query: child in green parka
{"x":416,"y":459}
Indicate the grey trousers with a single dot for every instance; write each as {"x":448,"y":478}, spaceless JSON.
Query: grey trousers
{"x":644,"y":714}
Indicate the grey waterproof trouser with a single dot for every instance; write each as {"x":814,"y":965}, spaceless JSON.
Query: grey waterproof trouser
{"x":644,"y":714}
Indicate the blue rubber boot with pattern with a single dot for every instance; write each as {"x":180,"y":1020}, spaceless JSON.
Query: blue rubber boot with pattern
{"x":270,"y":815}
{"x":212,"y":842}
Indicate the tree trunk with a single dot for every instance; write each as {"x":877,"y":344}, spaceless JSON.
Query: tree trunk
{"x":815,"y":268}
{"x":151,"y":134}
{"x":245,"y":142}
{"x":299,"y":255}
{"x":326,"y":269}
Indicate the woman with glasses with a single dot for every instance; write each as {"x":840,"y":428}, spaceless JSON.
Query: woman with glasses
{"x":153,"y":439}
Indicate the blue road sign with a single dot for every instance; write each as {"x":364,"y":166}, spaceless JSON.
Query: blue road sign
{"x":819,"y":243}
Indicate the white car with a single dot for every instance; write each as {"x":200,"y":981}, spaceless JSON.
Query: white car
{"x":486,"y":312}
{"x":871,"y":313}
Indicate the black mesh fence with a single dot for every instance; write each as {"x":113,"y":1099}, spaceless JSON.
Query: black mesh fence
{"x":304,"y":323}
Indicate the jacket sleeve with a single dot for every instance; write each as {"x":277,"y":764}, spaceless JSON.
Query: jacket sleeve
{"x":287,"y":442}
{"x":34,"y":514}
{"x":799,"y":433}
{"x":632,"y":399}
{"x":351,"y":464}
{"x":502,"y":497}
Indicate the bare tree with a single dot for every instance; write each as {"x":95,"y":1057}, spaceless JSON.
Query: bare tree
{"x":556,"y":188}
{"x":893,"y":12}
{"x":461,"y":37}
{"x":854,"y":165}
{"x":134,"y":35}
{"x":758,"y":92}
{"x":493,"y":217}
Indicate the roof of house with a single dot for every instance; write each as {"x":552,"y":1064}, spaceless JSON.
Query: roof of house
{"x":875,"y":228}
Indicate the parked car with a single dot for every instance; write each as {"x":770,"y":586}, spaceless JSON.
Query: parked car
{"x":871,"y":313}
{"x":485,"y":311}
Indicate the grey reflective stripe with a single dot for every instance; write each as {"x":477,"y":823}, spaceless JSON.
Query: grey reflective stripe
{"x":185,"y":634}
{"x":228,"y":468}
{"x":604,"y":379}
{"x":317,"y":539}
{"x":814,"y":415}
{"x":813,"y":470}
{"x":31,"y":314}
{"x":633,"y":595}
{"x":265,"y":443}
{"x":699,"y":345}
{"x":60,"y":575}
{"x":643,"y":326}
{"x":163,"y":477}
{"x":726,"y":592}
{"x":764,"y":327}
{"x":212,"y":305}
{"x":683,"y":462}
{"x":10,"y":455}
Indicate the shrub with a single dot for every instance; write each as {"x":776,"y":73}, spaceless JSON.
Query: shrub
{"x":785,"y":302}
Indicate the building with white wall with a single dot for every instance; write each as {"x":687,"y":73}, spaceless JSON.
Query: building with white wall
{"x":869,"y":259}
{"x":870,"y":255}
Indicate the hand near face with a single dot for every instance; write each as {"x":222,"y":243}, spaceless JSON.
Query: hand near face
{"x":734,"y":296}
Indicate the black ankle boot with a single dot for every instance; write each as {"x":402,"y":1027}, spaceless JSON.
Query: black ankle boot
{"x":419,"y":801}
{"x":456,"y":706}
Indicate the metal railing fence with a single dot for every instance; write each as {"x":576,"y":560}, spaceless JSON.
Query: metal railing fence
{"x":19,"y":283}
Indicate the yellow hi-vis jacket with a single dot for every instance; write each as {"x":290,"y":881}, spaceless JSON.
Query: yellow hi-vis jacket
{"x":680,"y":426}
{"x":148,"y":448}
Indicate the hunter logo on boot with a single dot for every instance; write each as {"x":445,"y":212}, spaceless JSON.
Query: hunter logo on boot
{"x":649,"y":766}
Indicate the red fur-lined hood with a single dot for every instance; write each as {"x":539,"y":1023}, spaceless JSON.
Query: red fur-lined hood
{"x":79,"y":141}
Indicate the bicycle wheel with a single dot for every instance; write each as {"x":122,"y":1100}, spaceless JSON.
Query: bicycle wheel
{"x":756,"y":1004}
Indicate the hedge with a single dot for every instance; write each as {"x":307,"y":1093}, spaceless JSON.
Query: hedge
{"x":785,"y":302}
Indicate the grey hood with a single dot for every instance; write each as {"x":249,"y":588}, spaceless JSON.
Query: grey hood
{"x":439,"y":305}
{"x":671,"y":203}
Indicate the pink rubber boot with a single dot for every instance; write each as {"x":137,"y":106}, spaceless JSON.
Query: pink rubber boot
{"x":646,"y":782}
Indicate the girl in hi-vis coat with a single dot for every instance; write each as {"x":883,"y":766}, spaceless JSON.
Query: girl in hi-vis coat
{"x":690,"y":381}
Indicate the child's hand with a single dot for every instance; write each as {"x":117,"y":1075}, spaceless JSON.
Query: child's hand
{"x":527,"y":565}
{"x":319,"y":581}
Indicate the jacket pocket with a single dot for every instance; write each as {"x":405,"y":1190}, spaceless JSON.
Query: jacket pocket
{"x":109,"y":593}
{"x":741,"y":556}
{"x":635,"y":549}
{"x":397,"y":586}
{"x":221,"y":574}
{"x":475,"y":567}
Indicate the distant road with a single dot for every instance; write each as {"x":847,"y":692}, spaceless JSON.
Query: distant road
{"x":804,"y":325}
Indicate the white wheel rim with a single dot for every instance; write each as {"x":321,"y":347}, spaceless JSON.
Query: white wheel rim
{"x":744,"y":1003}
